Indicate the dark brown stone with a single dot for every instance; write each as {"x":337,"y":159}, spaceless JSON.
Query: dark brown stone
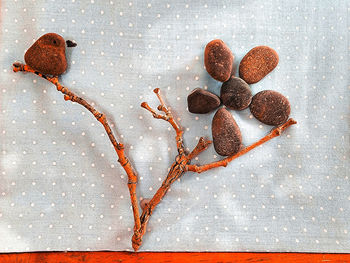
{"x":70,"y":43}
{"x":202,"y":101}
{"x":236,"y":94}
{"x":227,"y":138}
{"x":257,"y":63}
{"x":47,"y":55}
{"x":270,"y":107}
{"x":218,"y":60}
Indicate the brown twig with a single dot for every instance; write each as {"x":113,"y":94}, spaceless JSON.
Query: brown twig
{"x":175,"y":172}
{"x":201,"y":146}
{"x":119,"y":147}
{"x":274,"y":133}
{"x":167,"y":117}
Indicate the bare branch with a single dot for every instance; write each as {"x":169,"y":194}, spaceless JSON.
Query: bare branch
{"x":154,"y":113}
{"x":201,"y":146}
{"x":168,"y":117}
{"x":274,"y":133}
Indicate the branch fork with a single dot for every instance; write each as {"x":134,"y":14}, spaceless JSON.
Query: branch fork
{"x":177,"y":169}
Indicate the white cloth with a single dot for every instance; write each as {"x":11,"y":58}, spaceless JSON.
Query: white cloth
{"x":61,"y":185}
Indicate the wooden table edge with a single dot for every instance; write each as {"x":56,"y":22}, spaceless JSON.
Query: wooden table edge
{"x":109,"y":257}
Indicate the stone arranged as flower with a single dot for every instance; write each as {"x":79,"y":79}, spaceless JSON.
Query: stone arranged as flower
{"x":268,"y":106}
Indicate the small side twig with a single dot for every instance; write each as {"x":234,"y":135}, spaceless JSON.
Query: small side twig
{"x":201,"y":146}
{"x":167,"y":117}
{"x":274,"y":133}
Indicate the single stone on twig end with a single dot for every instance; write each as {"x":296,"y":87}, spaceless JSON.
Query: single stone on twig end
{"x":47,"y":55}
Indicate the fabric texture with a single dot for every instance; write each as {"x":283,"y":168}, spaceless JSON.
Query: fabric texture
{"x":61,"y":185}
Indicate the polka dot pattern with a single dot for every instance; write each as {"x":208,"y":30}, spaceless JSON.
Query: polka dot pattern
{"x":61,"y":185}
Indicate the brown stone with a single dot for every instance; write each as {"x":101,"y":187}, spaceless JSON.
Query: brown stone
{"x":70,"y":43}
{"x":270,"y":107}
{"x":218,"y":60}
{"x":227,"y":138}
{"x":47,"y":55}
{"x":257,"y":63}
{"x":202,"y":101}
{"x":236,"y":94}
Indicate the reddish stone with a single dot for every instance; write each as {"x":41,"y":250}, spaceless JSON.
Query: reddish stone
{"x":47,"y":55}
{"x":218,"y":60}
{"x":257,"y":63}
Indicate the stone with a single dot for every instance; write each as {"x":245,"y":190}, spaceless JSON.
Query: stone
{"x":257,"y":63}
{"x":218,"y":60}
{"x":70,"y":43}
{"x":202,"y":101}
{"x":270,"y":107}
{"x":236,"y":94}
{"x":47,"y":55}
{"x":227,"y":137}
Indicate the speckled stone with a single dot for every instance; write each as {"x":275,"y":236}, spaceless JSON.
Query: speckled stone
{"x":257,"y":63}
{"x":236,"y":94}
{"x":227,"y":138}
{"x":270,"y":107}
{"x":47,"y":55}
{"x":218,"y":60}
{"x":202,"y":101}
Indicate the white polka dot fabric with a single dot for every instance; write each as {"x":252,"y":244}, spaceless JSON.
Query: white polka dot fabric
{"x":61,"y":185}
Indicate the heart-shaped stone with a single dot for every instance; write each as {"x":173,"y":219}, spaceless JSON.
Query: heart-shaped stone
{"x":48,"y":55}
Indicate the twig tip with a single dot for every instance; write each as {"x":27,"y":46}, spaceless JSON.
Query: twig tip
{"x":16,"y":66}
{"x":292,"y":121}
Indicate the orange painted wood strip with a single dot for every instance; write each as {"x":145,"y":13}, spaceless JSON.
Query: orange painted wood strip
{"x":183,"y":257}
